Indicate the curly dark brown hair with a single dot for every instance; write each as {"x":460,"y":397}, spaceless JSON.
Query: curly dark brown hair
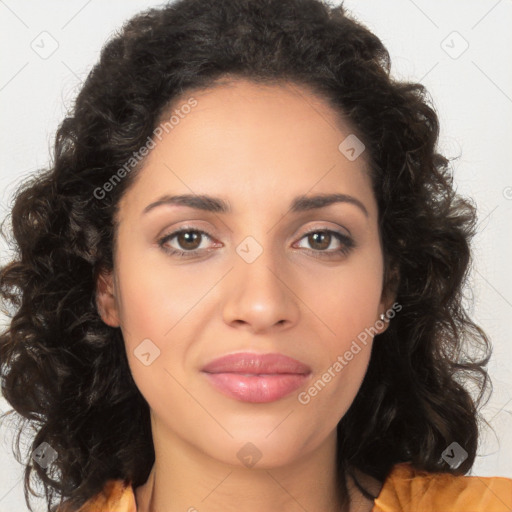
{"x":65,"y":372}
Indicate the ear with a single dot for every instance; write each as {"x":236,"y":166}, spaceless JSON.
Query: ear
{"x":106,"y":301}
{"x":388,"y":298}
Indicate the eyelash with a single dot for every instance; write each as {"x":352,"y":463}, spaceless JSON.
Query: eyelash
{"x":347,"y":243}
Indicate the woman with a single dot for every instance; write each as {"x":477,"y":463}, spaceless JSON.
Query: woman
{"x":239,"y":285}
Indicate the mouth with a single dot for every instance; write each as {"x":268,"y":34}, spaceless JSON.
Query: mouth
{"x":256,"y":378}
{"x":256,"y":388}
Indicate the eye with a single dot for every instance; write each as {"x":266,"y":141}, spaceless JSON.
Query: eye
{"x":186,"y":238}
{"x":322,"y":239}
{"x":189,"y":239}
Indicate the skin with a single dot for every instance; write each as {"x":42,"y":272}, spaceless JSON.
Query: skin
{"x":257,"y":147}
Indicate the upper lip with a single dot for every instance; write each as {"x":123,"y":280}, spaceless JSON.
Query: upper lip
{"x":249,"y":362}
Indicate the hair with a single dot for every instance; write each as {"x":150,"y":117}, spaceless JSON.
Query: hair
{"x":65,"y":372}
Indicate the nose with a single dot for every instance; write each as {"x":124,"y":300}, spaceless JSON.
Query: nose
{"x":260,"y":297}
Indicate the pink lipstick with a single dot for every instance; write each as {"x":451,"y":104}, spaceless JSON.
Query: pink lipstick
{"x":256,"y":378}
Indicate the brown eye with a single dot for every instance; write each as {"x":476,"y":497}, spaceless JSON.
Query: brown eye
{"x":321,"y":239}
{"x":189,"y":239}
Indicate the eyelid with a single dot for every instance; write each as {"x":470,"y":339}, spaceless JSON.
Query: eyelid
{"x":185,"y":229}
{"x":208,"y":232}
{"x":346,"y":240}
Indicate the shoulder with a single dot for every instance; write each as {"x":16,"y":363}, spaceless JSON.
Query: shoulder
{"x":407,"y":488}
{"x":116,"y":495}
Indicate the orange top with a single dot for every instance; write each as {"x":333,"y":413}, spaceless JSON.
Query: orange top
{"x":405,"y":490}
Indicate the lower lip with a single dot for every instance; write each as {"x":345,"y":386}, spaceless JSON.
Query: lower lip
{"x":256,"y":388}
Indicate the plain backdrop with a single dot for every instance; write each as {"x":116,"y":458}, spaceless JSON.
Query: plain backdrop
{"x":460,"y":50}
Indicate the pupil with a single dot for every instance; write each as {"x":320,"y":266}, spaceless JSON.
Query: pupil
{"x":315,"y":237}
{"x":189,"y":239}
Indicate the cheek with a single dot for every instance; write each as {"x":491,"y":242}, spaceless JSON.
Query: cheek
{"x":152,"y":310}
{"x":159,"y":303}
{"x":153,"y":299}
{"x":351,"y":313}
{"x":346,"y":299}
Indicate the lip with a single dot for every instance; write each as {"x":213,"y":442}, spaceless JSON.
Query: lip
{"x":256,"y":378}
{"x":250,"y":362}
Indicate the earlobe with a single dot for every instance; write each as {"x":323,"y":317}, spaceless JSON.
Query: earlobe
{"x":388,"y":298}
{"x":106,"y":300}
{"x":386,"y":313}
{"x":382,"y":323}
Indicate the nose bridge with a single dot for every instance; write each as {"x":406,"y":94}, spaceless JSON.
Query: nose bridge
{"x":258,"y":264}
{"x":259,"y":243}
{"x":258,"y":294}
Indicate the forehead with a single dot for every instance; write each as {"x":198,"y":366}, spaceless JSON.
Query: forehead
{"x":261,"y":143}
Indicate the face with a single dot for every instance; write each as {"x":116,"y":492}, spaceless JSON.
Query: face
{"x":263,"y":277}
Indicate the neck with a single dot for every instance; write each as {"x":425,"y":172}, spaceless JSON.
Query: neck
{"x":187,"y":479}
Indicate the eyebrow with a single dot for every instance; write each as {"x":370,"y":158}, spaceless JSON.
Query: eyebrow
{"x":218,"y":205}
